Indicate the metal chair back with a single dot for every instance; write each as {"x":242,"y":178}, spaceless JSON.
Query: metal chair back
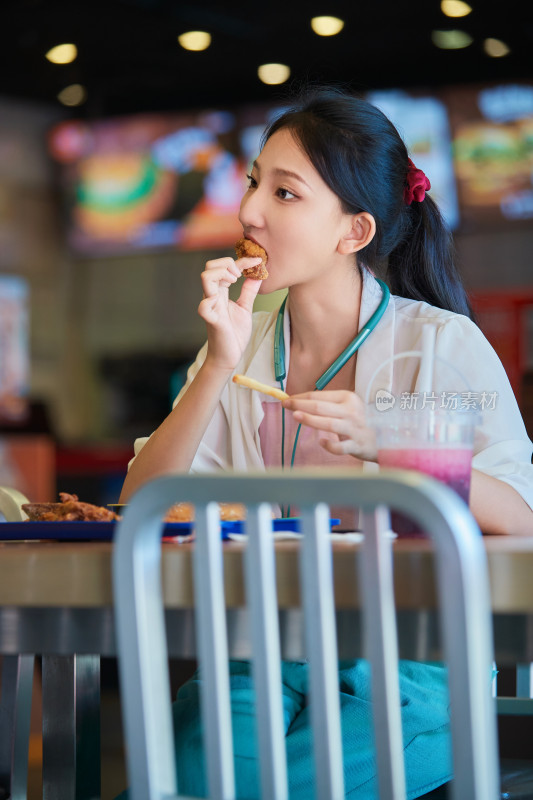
{"x":464,"y":606}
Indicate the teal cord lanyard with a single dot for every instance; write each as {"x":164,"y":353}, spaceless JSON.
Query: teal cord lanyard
{"x":298,"y":429}
{"x":329,"y":374}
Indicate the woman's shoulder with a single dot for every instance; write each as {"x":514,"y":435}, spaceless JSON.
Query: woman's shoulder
{"x":420,"y":312}
{"x":456,"y":334}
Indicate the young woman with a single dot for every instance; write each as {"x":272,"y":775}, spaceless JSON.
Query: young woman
{"x":332,"y":197}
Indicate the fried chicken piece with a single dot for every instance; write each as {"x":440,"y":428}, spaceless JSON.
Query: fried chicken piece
{"x":247,"y":248}
{"x":230,"y":512}
{"x":180,"y":512}
{"x":184,"y":512}
{"x":70,"y":509}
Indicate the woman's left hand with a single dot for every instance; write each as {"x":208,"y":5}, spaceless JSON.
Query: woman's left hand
{"x":341,"y":415}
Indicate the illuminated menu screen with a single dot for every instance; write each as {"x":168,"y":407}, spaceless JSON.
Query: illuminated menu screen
{"x":153,"y":181}
{"x":176,"y":180}
{"x":14,"y":348}
{"x":492,"y":139}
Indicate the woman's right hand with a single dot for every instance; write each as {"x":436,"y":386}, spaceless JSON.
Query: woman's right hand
{"x":229,"y":323}
{"x":340,"y":414}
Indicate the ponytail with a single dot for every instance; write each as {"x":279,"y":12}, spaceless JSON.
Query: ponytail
{"x":422,"y":266}
{"x":361,"y":156}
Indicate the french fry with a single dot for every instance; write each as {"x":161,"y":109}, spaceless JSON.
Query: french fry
{"x":250,"y":383}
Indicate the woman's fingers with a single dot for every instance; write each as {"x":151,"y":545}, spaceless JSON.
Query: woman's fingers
{"x":249,"y":291}
{"x":323,"y":422}
{"x":223,"y":272}
{"x":216,"y":278}
{"x":226,"y":263}
{"x":207,"y":309}
{"x":328,"y":404}
{"x":341,"y":416}
{"x":336,"y":396}
{"x":247,"y":262}
{"x":338,"y":447}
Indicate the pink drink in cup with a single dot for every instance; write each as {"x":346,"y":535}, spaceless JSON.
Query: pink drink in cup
{"x":438,"y":442}
{"x":452,"y":465}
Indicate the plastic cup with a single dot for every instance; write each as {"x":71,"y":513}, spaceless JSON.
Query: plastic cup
{"x":438,"y":442}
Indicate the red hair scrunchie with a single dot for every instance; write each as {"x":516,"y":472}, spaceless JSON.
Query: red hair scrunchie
{"x":416,"y":185}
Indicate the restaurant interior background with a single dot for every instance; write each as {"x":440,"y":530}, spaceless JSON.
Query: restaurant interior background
{"x":121,"y":172}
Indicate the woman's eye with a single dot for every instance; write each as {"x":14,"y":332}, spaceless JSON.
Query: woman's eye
{"x":252,"y":183}
{"x":284,"y":194}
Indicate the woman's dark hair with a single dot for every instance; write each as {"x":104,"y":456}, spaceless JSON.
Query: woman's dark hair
{"x":362,"y":158}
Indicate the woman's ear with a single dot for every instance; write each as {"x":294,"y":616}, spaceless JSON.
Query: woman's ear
{"x":361,"y":233}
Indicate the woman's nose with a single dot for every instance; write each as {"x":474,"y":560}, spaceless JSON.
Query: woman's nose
{"x":251,"y":210}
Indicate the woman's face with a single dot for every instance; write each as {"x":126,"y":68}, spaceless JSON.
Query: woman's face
{"x":291,"y":212}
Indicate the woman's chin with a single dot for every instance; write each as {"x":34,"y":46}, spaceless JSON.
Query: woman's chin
{"x":266,"y":287}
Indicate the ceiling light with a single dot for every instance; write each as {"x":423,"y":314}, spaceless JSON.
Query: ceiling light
{"x":73,"y":95}
{"x":495,"y":48}
{"x":451,"y":40}
{"x":455,"y":8}
{"x":62,"y":54}
{"x":195,"y":40}
{"x":273,"y":73}
{"x":327,"y":26}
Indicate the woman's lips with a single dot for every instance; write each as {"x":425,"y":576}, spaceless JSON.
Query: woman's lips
{"x":252,"y":239}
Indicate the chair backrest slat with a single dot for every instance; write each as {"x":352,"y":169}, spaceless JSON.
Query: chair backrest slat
{"x":321,"y":646}
{"x":381,"y":647}
{"x":466,"y":626}
{"x":264,"y":634}
{"x":141,"y":639}
{"x":211,"y":636}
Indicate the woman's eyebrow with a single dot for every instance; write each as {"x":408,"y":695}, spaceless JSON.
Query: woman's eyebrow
{"x":283,"y":173}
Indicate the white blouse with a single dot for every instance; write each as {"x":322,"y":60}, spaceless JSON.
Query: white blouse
{"x":465,"y":361}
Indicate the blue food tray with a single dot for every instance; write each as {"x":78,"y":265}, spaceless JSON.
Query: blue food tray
{"x":103,"y":531}
{"x":75,"y":531}
{"x":279,"y":524}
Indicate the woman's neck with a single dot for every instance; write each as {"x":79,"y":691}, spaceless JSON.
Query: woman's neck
{"x":325,"y":317}
{"x":324,"y":320}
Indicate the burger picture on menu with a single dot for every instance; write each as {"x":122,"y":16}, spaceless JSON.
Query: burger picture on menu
{"x":491,"y":161}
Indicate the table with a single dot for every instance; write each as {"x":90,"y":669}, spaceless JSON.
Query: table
{"x":56,"y":600}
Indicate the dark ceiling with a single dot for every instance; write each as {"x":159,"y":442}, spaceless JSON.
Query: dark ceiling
{"x":129,"y":59}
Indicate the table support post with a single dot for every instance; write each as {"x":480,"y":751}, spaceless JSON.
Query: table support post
{"x":524,"y":680}
{"x":71,"y":727}
{"x":15,"y":713}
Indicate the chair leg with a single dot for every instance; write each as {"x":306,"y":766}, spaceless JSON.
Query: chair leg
{"x":71,"y":727}
{"x":15,"y":717}
{"x":524,"y":680}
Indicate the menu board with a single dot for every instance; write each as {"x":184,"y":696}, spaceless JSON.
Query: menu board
{"x":14,"y":348}
{"x":176,"y":180}
{"x":492,"y":140}
{"x":422,"y":121}
{"x":158,"y":180}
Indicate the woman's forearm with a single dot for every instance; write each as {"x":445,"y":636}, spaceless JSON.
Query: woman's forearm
{"x":498,"y":508}
{"x":172,"y":447}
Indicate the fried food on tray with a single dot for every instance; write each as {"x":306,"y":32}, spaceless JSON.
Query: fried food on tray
{"x":180,"y":512}
{"x":245,"y":248}
{"x":70,"y":509}
{"x":184,"y":512}
{"x":232,"y":511}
